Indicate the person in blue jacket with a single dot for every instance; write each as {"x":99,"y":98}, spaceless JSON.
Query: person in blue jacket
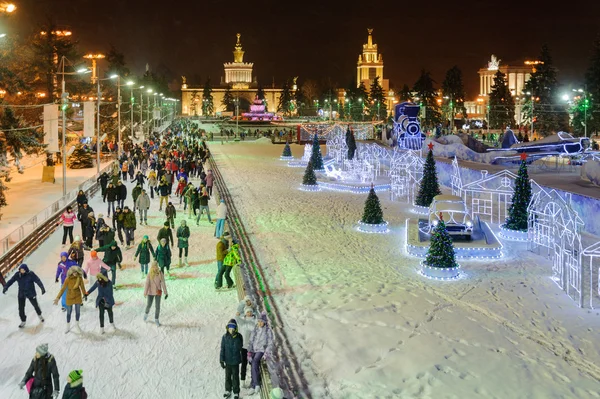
{"x":26,"y":280}
{"x":61,"y":271}
{"x":105,"y":299}
{"x":232,"y":344}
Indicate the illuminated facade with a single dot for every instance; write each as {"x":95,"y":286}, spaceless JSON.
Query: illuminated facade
{"x":238,"y":73}
{"x":516,"y":76}
{"x":370,"y":65}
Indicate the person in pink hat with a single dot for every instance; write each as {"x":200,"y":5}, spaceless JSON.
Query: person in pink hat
{"x":94,"y":266}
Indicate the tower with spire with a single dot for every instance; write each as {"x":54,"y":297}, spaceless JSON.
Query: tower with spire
{"x":238,"y":74}
{"x":370,"y":65}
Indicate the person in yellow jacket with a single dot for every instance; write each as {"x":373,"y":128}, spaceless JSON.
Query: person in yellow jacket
{"x":231,"y":259}
{"x":75,"y":294}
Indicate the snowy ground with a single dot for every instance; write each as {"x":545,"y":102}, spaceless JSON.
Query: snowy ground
{"x":364,"y":324}
{"x":140,"y":360}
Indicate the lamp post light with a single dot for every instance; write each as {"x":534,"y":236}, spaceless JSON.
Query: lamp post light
{"x":131,"y":101}
{"x":585,"y":107}
{"x":98,"y":146}
{"x":94,"y":58}
{"x":148,"y":92}
{"x":362,"y":109}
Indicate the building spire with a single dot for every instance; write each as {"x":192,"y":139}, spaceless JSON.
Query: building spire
{"x":370,"y":39}
{"x":238,"y":53}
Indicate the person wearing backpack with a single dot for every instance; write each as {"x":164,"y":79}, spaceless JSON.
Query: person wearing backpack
{"x":105,"y":299}
{"x":42,"y":378}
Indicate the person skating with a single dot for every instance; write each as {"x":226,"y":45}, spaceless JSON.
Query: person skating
{"x":131,"y":171}
{"x":110,"y":196}
{"x":117,"y":222}
{"x":112,"y":258}
{"x":121,"y":194}
{"x":153,"y":291}
{"x":93,"y":266}
{"x":222,"y":247}
{"x":259,"y":347}
{"x":152,"y":183}
{"x":25,"y":280}
{"x":61,"y":272}
{"x":232,"y":345}
{"x":43,"y":371}
{"x":74,"y":388}
{"x":164,"y":191}
{"x":246,"y":303}
{"x":183,"y":235}
{"x":129,"y":222}
{"x":188,"y":199}
{"x":144,"y":250}
{"x":82,"y":215}
{"x":81,"y":198}
{"x":124,"y":170}
{"x":166,"y":233}
{"x":77,"y":249}
{"x":135,"y":193}
{"x":90,"y":230}
{"x":143,"y":204}
{"x":100,"y":222}
{"x":75,"y":293}
{"x":105,"y":299}
{"x":163,"y":256}
{"x":171,"y":214}
{"x":203,"y":200}
{"x":221,"y":216}
{"x":107,"y":234}
{"x":179,"y":190}
{"x":210,"y":179}
{"x":231,"y":260}
{"x":103,"y":180}
{"x":140,"y":178}
{"x":67,"y":218}
{"x":246,"y":323}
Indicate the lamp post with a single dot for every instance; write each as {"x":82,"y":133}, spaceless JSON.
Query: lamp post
{"x":98,"y":146}
{"x":585,"y":107}
{"x":362,"y":109}
{"x":131,"y":101}
{"x":148,"y":92}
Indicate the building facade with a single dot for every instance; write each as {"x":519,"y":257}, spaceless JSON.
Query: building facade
{"x":516,"y":76}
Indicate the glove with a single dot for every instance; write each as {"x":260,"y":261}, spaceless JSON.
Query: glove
{"x":119,"y":266}
{"x":21,"y":385}
{"x":166,"y":296}
{"x":250,"y":355}
{"x":85,"y":297}
{"x":56,"y":281}
{"x":223,"y":364}
{"x":56,"y":394}
{"x":4,"y":291}
{"x":265,"y":356}
{"x":85,"y":275}
{"x":43,"y":291}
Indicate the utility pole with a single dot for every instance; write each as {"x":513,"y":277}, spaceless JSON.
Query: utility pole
{"x":98,"y":131}
{"x":119,"y":110}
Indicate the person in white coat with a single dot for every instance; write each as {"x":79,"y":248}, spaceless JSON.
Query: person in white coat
{"x":142,"y":203}
{"x":246,"y":324}
{"x":246,"y":303}
{"x":221,"y":216}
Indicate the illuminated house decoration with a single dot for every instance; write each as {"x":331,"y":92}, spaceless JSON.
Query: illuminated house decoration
{"x":592,"y":254}
{"x":258,"y":113}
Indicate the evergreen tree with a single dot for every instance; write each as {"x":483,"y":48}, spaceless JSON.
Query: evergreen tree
{"x":310,"y":179}
{"x":315,"y":157}
{"x":453,"y":87}
{"x":16,"y":140}
{"x":587,"y":106}
{"x":372,"y":213}
{"x":543,"y":86}
{"x":285,"y":100}
{"x":501,"y":103}
{"x":517,"y":213}
{"x":377,"y":101}
{"x":360,"y":98}
{"x":80,"y":159}
{"x":351,"y":142}
{"x":116,"y":62}
{"x":429,"y":187}
{"x":287,"y":151}
{"x":228,"y":101}
{"x":405,"y":93}
{"x":425,"y":90}
{"x":260,"y":92}
{"x":441,"y":249}
{"x":208,"y":107}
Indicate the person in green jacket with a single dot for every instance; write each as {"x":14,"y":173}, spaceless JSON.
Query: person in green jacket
{"x":137,"y":190}
{"x":112,"y":258}
{"x":163,"y":256}
{"x":183,"y":234}
{"x":144,"y":250}
{"x":222,"y":247}
{"x":165,"y":233}
{"x":129,"y":223}
{"x":231,"y":259}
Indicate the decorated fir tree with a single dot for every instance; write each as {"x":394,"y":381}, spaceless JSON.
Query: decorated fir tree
{"x":351,"y":145}
{"x":373,"y":213}
{"x":80,"y":159}
{"x":310,"y":179}
{"x":316,"y":158}
{"x":287,"y":151}
{"x":517,"y":213}
{"x":441,"y":250}
{"x":429,"y":187}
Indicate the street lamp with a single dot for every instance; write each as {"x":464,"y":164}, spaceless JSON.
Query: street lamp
{"x":8,"y":8}
{"x":98,"y":146}
{"x":585,"y":107}
{"x":94,"y":58}
{"x":451,"y":112}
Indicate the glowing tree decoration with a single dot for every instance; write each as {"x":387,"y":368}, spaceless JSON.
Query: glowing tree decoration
{"x":287,"y":151}
{"x":351,"y":143}
{"x":429,"y":184}
{"x":440,"y":261}
{"x":310,"y":179}
{"x":518,"y":213}
{"x":372,"y":213}
{"x":316,"y":158}
{"x":80,"y":159}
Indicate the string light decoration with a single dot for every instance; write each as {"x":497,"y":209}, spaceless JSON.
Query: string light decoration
{"x":429,"y":184}
{"x":353,"y":189}
{"x":372,"y":219}
{"x":316,"y":158}
{"x":440,"y":261}
{"x":309,"y":179}
{"x":287,"y":153}
{"x":592,"y":253}
{"x":518,"y":213}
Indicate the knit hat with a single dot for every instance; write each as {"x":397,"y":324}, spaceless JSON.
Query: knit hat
{"x":166,"y":224}
{"x":94,"y":254}
{"x":145,"y":237}
{"x":42,"y":349}
{"x":76,"y":375}
{"x":101,"y":276}
{"x":66,"y":255}
{"x":232,"y":324}
{"x":264,"y":317}
{"x":77,"y":238}
{"x":223,"y":201}
{"x":277,"y":393}
{"x":248,"y":309}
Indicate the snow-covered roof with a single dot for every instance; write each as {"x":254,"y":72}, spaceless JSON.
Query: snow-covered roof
{"x":499,"y":181}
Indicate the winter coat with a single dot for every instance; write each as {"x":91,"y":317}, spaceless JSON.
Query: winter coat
{"x":68,"y":218}
{"x":144,"y":250}
{"x":163,"y":255}
{"x":63,"y":268}
{"x":45,"y":377}
{"x":135,"y":193}
{"x":143,"y":202}
{"x":99,"y":224}
{"x":129,"y":221}
{"x":89,"y":226}
{"x":109,"y":235}
{"x":233,"y":256}
{"x":76,"y":249}
{"x":170,"y":212}
{"x":76,"y":391}
{"x":118,"y":219}
{"x":26,"y":283}
{"x":155,"y":284}
{"x":121,"y":192}
{"x":261,"y":340}
{"x":221,"y":250}
{"x":111,"y":257}
{"x":111,"y":194}
{"x":203,"y":199}
{"x":242,"y":305}
{"x":75,"y":289}
{"x":82,"y":213}
{"x":231,"y":348}
{"x":246,"y":326}
{"x":81,"y":198}
{"x":165,"y":233}
{"x":140,"y":178}
{"x":163,"y":189}
{"x":183,"y":234}
{"x":152,"y":180}
{"x":209,"y":179}
{"x":103,"y":179}
{"x":95,"y":266}
{"x":104,"y":292}
{"x":221,"y":211}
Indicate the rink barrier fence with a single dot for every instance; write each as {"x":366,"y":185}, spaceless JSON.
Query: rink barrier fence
{"x":282,"y":369}
{"x":16,"y":246}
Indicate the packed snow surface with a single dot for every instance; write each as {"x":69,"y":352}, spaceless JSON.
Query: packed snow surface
{"x":364,"y":324}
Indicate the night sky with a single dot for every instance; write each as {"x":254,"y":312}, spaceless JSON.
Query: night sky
{"x":322,"y":39}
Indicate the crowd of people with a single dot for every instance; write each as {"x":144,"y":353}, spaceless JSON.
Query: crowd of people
{"x":161,"y":169}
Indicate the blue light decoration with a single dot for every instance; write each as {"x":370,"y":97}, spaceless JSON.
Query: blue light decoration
{"x":353,"y":189}
{"x":309,"y":187}
{"x":407,"y":128}
{"x":370,"y":228}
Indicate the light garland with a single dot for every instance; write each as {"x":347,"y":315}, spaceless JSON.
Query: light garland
{"x":369,"y":228}
{"x":420,"y":210}
{"x":353,"y":189}
{"x":282,"y":158}
{"x":434,"y":273}
{"x":309,"y":187}
{"x":297,"y":164}
{"x":513,"y":235}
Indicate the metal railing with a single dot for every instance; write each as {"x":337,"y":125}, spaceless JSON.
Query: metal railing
{"x":26,"y":238}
